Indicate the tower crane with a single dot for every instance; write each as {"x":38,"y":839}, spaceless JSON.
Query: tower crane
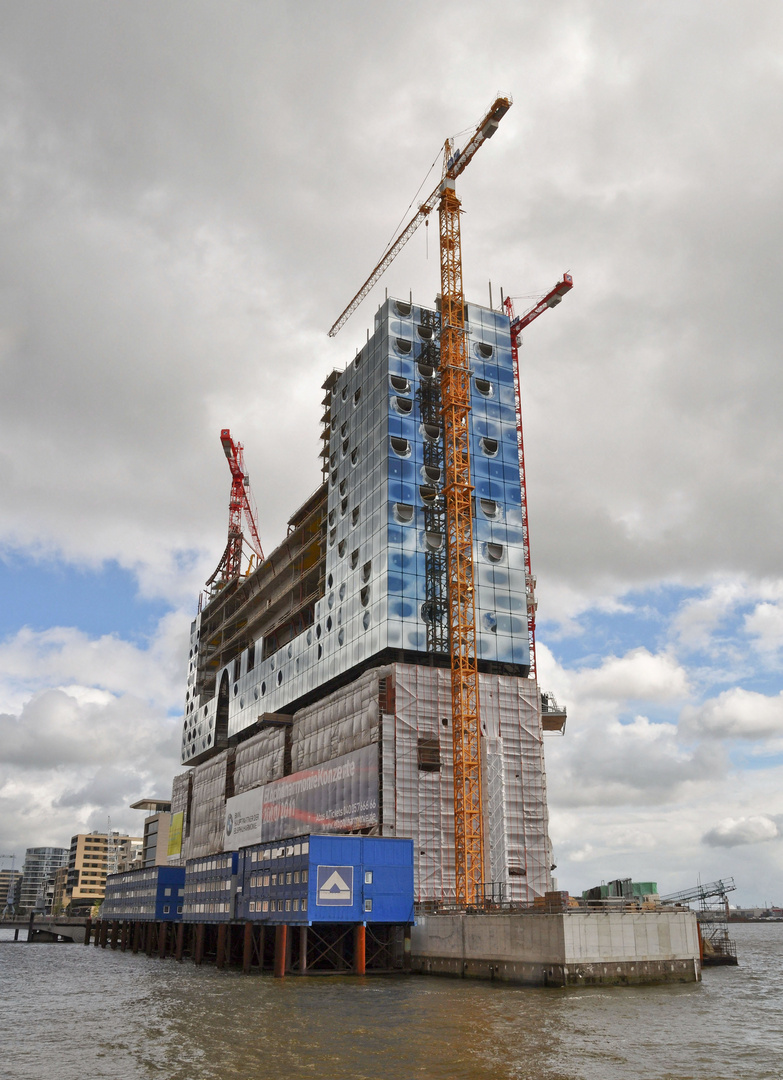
{"x":240,"y":504}
{"x":457,"y":491}
{"x":552,"y":299}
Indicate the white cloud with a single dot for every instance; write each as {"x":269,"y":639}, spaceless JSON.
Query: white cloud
{"x":638,"y":675}
{"x":731,"y":832}
{"x":765,"y":625}
{"x":734,"y":714}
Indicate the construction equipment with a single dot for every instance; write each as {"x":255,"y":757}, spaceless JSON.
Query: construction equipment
{"x":457,"y":491}
{"x":701,"y":893}
{"x":717,"y":947}
{"x":552,"y":299}
{"x":240,"y":504}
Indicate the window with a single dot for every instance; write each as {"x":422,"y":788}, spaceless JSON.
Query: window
{"x":489,"y":446}
{"x":431,"y":432}
{"x":427,"y":493}
{"x":433,"y":539}
{"x":367,"y":570}
{"x":431,"y":473}
{"x":403,"y":346}
{"x":429,"y":754}
{"x":403,"y":513}
{"x":368,"y":877}
{"x":296,"y":877}
{"x":167,"y":892}
{"x":364,"y":596}
{"x":296,"y":905}
{"x":424,"y":332}
{"x":402,"y":405}
{"x":484,"y":387}
{"x":483,"y":350}
{"x":401,"y":447}
{"x":357,"y":395}
{"x":304,"y":904}
{"x":252,"y":905}
{"x":494,"y":552}
{"x":304,"y":872}
{"x":288,"y":879}
{"x":489,"y":508}
{"x":400,"y":384}
{"x":368,"y":905}
{"x":166,"y":909}
{"x":402,"y":308}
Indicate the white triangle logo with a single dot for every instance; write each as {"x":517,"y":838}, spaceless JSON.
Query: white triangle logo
{"x":334,"y":888}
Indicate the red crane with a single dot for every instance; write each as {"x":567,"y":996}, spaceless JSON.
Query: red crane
{"x":552,"y":299}
{"x":241,"y":503}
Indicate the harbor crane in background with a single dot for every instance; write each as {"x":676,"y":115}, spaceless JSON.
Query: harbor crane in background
{"x":457,"y":492}
{"x":552,"y":299}
{"x":241,"y":504}
{"x":702,"y":893}
{"x":716,"y":946}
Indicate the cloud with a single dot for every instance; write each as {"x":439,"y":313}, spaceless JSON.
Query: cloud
{"x":732,"y":832}
{"x":734,"y":714}
{"x":765,"y":625}
{"x":638,"y":675}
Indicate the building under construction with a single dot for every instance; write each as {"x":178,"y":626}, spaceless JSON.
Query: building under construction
{"x":376,"y":672}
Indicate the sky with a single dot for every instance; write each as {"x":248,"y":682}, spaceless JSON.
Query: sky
{"x":191,"y":192}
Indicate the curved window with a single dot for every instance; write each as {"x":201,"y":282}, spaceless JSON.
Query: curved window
{"x":355,"y":516}
{"x":489,"y":507}
{"x":489,"y":446}
{"x":400,"y":384}
{"x":364,"y":595}
{"x":332,"y":536}
{"x":343,"y":506}
{"x":345,"y":446}
{"x":402,"y":405}
{"x":344,"y":392}
{"x":366,"y":620}
{"x":433,"y":539}
{"x":431,"y":432}
{"x":494,"y":552}
{"x":431,"y":613}
{"x":432,"y":473}
{"x":354,"y":455}
{"x":341,"y":548}
{"x":331,"y":517}
{"x":483,"y":350}
{"x":329,"y":623}
{"x":341,"y":591}
{"x":320,"y":651}
{"x":343,"y":484}
{"x":425,"y":332}
{"x":318,"y":630}
{"x":401,"y":447}
{"x":427,"y":371}
{"x":403,"y":513}
{"x":428,"y":494}
{"x":357,"y":395}
{"x":484,"y":386}
{"x":333,"y":459}
{"x":354,"y":559}
{"x":366,"y":570}
{"x":333,"y":479}
{"x":489,"y":622}
{"x":402,"y":308}
{"x":279,"y":677}
{"x":344,"y":429}
{"x":403,"y":346}
{"x":341,"y":637}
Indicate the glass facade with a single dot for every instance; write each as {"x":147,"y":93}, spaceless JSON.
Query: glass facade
{"x":379,"y":534}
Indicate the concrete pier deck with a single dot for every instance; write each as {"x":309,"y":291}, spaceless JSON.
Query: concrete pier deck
{"x":572,"y":948}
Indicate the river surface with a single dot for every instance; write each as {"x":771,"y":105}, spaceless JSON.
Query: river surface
{"x":75,"y":1013}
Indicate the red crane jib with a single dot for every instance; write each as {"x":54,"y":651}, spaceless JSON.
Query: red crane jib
{"x":552,"y":299}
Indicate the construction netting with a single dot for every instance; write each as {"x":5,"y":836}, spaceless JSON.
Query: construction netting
{"x":405,"y":710}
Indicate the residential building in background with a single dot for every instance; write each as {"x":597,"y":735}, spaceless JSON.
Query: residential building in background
{"x":40,"y":864}
{"x":88,"y":864}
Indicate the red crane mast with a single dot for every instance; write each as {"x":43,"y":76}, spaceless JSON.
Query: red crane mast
{"x":240,"y":504}
{"x":552,"y":299}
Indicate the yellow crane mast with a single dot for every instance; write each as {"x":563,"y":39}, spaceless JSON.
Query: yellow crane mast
{"x":457,"y":491}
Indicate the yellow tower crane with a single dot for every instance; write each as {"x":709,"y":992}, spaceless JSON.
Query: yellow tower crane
{"x":457,"y":491}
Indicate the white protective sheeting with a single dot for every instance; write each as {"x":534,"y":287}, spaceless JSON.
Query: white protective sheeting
{"x":516,"y":820}
{"x":259,"y":760}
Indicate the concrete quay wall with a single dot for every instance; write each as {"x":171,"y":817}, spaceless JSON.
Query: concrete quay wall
{"x":575,"y":948}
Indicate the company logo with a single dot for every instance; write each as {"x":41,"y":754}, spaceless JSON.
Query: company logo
{"x":335,"y":886}
{"x":229,"y":824}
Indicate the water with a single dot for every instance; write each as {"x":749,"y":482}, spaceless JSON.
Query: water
{"x":70,"y":1012}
